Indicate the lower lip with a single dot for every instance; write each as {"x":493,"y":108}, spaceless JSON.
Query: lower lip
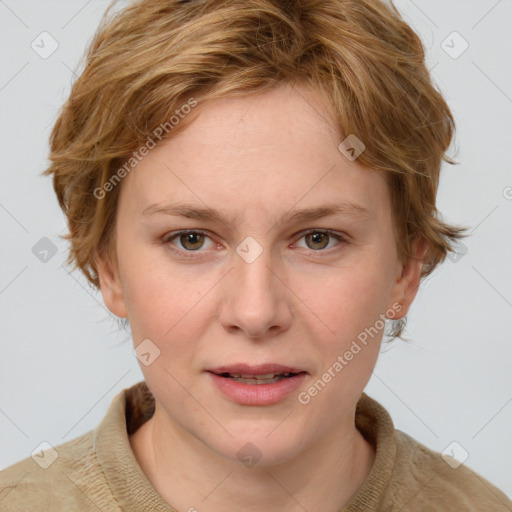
{"x":257,"y":394}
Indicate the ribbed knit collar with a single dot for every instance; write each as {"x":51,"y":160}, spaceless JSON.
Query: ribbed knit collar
{"x":134,"y":492}
{"x":129,"y":484}
{"x":376,"y":425}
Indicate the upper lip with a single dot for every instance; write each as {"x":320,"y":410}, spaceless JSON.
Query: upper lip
{"x":253,"y":370}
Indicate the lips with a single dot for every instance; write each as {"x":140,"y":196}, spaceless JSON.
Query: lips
{"x":257,"y":385}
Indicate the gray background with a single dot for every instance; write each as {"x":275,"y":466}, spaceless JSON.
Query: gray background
{"x":63,"y":357}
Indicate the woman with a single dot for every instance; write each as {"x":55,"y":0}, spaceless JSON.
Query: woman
{"x":252,"y":185}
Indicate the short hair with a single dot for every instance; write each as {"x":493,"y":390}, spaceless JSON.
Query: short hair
{"x":149,"y":60}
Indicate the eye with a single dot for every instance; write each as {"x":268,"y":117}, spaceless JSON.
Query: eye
{"x":190,"y":240}
{"x":318,"y":239}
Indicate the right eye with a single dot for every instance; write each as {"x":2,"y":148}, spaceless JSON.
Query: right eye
{"x":190,"y":240}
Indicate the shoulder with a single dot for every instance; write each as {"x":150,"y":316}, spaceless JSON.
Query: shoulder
{"x":437,"y":482}
{"x":66,"y":477}
{"x":407,"y":475}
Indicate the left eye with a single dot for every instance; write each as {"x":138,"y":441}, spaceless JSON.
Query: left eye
{"x":319,"y":239}
{"x":192,"y":241}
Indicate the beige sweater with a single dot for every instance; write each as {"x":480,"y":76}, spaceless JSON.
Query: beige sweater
{"x":98,"y":470}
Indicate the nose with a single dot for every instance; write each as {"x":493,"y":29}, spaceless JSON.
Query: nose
{"x":255,"y":298}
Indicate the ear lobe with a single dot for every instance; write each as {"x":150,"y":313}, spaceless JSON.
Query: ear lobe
{"x":409,"y":282}
{"x":111,"y":286}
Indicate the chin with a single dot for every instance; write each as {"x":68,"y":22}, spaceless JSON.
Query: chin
{"x":259,"y":448}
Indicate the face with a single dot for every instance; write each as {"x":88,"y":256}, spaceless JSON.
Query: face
{"x":260,"y":286}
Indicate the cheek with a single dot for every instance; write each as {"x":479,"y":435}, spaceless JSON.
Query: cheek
{"x":349,"y":349}
{"x":157,"y":296}
{"x":168,"y":304}
{"x":350,"y":301}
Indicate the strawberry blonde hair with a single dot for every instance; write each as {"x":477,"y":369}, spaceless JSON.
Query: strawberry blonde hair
{"x":151,"y":58}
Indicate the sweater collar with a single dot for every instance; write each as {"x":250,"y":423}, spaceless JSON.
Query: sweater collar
{"x":128,"y":482}
{"x":376,"y":425}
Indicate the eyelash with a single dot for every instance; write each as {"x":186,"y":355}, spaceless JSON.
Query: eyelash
{"x":169,"y":237}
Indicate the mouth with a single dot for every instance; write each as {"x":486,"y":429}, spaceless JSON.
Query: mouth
{"x":260,"y":385}
{"x":268,"y":373}
{"x":268,"y":378}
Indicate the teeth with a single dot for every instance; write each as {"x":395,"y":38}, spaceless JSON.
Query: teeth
{"x":258,"y":377}
{"x":258,"y":381}
{"x":268,"y":378}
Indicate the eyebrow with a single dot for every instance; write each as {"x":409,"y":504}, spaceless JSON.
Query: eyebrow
{"x":295,"y":216}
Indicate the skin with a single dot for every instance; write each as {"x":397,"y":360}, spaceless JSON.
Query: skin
{"x":301,"y":302}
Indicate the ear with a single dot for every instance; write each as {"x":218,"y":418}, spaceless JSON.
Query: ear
{"x":111,"y":285}
{"x":407,"y":283}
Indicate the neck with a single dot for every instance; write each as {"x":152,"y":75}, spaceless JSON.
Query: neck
{"x":329,"y":472}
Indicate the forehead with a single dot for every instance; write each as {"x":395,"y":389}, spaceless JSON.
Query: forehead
{"x":267,"y":151}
